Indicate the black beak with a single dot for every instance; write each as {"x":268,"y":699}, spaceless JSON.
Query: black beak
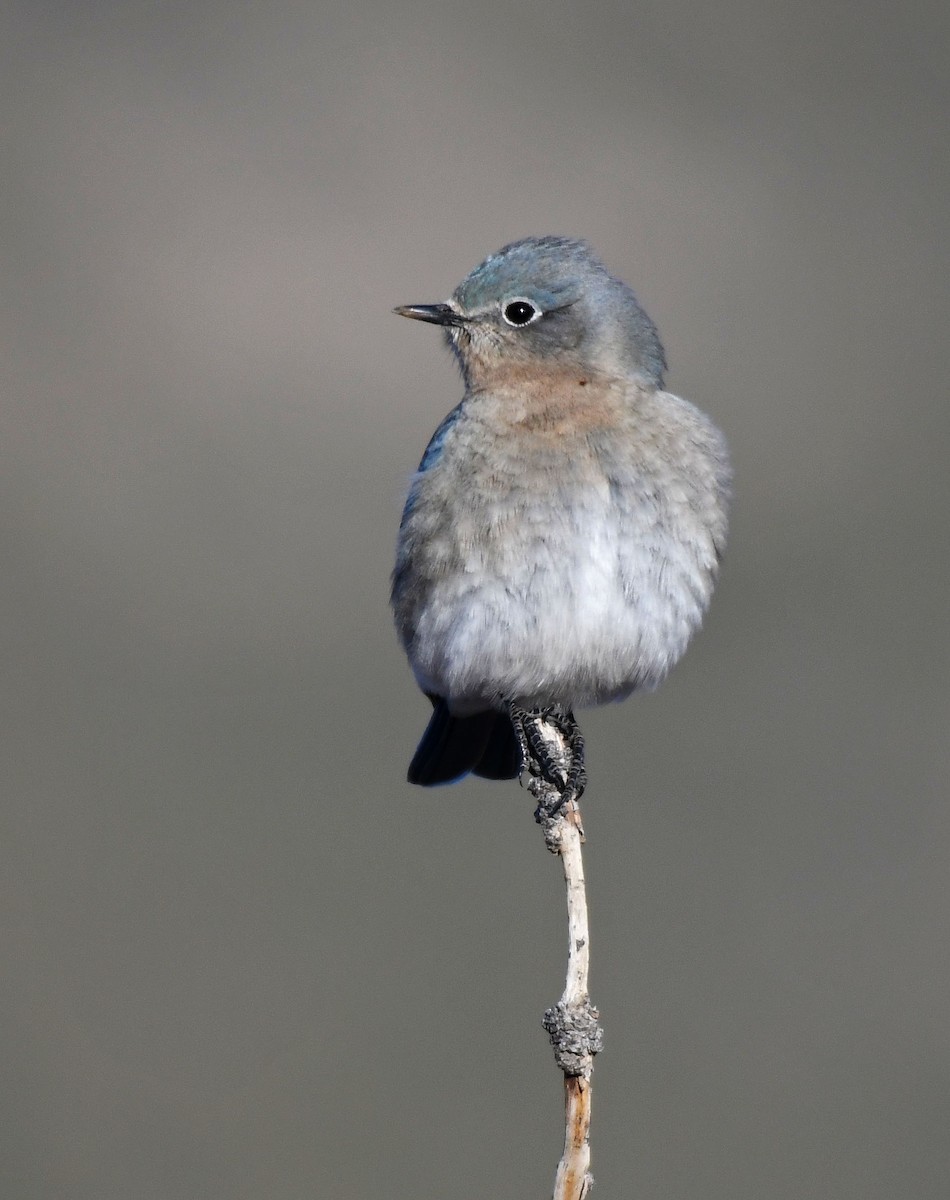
{"x":435,"y":314}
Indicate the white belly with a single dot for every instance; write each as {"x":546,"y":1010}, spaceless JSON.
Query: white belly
{"x":582,"y":615}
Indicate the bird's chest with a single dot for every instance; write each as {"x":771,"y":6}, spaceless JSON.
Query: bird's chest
{"x":517,"y":500}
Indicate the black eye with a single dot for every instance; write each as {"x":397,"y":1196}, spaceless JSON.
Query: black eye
{"x":520,"y":312}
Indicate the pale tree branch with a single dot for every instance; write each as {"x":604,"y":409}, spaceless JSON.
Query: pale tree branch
{"x":573,"y":1022}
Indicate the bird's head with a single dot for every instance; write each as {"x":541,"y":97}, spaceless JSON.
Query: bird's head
{"x":546,"y":302}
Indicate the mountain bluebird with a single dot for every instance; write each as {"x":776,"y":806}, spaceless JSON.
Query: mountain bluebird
{"x":562,"y":536}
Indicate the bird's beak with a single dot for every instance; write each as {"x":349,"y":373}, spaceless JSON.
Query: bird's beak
{"x":435,"y":314}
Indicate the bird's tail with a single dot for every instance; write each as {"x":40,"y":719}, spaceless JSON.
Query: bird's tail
{"x":483,"y":744}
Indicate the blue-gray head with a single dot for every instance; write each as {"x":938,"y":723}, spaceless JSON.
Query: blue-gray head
{"x":546,"y":300}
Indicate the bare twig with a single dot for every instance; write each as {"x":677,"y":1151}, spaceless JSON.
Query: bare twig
{"x":572,"y":1023}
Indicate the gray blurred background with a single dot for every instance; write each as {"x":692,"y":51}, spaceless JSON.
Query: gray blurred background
{"x":242,"y":958}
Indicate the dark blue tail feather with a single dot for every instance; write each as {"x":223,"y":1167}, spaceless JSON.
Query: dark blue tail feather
{"x":483,"y":744}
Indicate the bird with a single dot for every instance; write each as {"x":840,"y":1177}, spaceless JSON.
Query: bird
{"x":562,"y":536}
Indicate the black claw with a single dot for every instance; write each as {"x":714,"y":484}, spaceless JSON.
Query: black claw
{"x":527,"y":761}
{"x":577,"y":776}
{"x":537,"y":756}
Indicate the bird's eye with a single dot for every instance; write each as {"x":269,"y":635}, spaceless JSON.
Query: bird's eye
{"x":520,"y":312}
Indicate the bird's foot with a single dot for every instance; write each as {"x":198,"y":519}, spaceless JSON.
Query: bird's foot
{"x":576,"y":781}
{"x":564,"y":772}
